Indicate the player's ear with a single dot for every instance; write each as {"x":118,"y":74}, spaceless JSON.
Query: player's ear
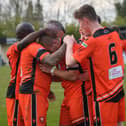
{"x":60,"y":34}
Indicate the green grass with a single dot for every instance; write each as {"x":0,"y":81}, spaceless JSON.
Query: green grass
{"x":54,"y":107}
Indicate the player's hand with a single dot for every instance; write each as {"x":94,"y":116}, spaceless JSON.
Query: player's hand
{"x":84,"y":76}
{"x":69,"y":39}
{"x":45,"y":68}
{"x":51,"y":96}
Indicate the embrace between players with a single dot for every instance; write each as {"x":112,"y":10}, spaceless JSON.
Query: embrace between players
{"x":91,"y":72}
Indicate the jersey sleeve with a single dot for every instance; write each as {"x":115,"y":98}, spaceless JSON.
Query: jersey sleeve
{"x":38,"y":51}
{"x":12,"y":50}
{"x":84,"y":51}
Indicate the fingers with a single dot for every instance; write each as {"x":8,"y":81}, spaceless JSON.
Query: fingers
{"x":69,"y":39}
{"x":45,"y":68}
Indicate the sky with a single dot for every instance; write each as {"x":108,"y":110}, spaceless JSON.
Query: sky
{"x":104,"y":8}
{"x":65,"y":8}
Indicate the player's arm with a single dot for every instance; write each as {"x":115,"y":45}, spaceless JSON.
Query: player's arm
{"x":85,"y":51}
{"x":54,"y":58}
{"x":56,"y":79}
{"x":29,"y":39}
{"x":69,"y":41}
{"x":72,"y":74}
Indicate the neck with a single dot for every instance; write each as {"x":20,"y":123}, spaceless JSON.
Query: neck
{"x":95,"y":26}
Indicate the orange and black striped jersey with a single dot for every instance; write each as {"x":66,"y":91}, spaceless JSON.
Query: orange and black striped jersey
{"x":104,"y":52}
{"x":32,"y":78}
{"x":13,"y":56}
{"x":74,"y":87}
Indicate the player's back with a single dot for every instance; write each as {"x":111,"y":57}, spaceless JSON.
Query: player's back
{"x":32,"y":78}
{"x":106,"y":64}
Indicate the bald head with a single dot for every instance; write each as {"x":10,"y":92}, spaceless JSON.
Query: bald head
{"x":56,"y":25}
{"x":23,"y":29}
{"x":53,"y":24}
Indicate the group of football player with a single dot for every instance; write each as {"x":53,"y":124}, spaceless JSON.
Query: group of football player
{"x":91,"y":71}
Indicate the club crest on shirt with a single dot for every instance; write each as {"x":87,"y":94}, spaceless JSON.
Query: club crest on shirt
{"x":41,"y":119}
{"x":84,"y":44}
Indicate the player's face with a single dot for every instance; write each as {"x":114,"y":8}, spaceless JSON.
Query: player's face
{"x":60,"y":34}
{"x":84,"y":26}
{"x":82,"y":34}
{"x":56,"y":44}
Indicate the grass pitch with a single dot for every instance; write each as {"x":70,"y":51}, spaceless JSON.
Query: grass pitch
{"x":54,"y":107}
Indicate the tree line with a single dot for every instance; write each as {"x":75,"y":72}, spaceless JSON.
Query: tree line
{"x":16,"y":11}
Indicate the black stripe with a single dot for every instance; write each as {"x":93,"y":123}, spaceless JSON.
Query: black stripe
{"x":40,"y":52}
{"x":92,"y":78}
{"x":81,"y":124}
{"x":72,"y":68}
{"x":85,"y":105}
{"x":15,"y":113}
{"x":34,"y":110}
{"x":11,"y":88}
{"x":98,"y":119}
{"x":85,"y":101}
{"x":33,"y":69}
{"x":116,"y":98}
{"x":27,"y":87}
{"x":102,"y":32}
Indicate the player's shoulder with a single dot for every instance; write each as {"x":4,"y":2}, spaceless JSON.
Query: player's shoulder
{"x":103,"y":31}
{"x":12,"y":48}
{"x":35,"y":44}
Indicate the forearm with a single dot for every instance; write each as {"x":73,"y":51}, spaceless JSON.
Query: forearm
{"x":28,"y":39}
{"x":66,"y":75}
{"x":69,"y":56}
{"x":56,"y":79}
{"x":84,"y":76}
{"x":54,"y":58}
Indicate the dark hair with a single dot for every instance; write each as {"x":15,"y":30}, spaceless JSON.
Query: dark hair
{"x":23,"y":29}
{"x":99,"y":19}
{"x":86,"y":11}
{"x":56,"y":24}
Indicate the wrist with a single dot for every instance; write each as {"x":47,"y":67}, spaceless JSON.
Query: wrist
{"x":70,"y":45}
{"x":53,"y":70}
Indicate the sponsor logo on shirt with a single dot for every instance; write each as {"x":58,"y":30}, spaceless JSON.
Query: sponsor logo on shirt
{"x":115,"y":72}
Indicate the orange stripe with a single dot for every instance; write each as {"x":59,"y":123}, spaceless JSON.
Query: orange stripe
{"x":110,"y":93}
